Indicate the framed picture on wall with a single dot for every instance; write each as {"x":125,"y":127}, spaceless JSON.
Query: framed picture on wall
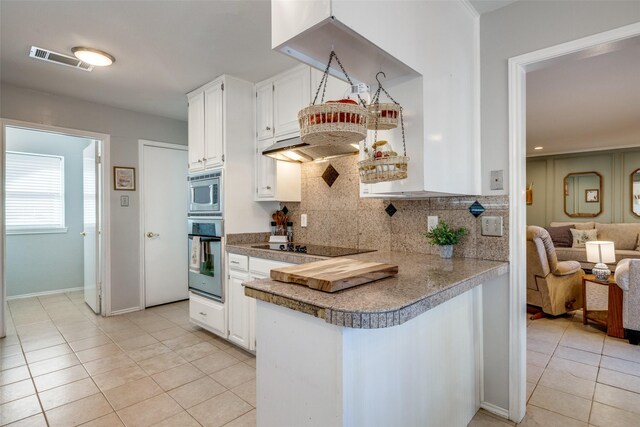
{"x":124,"y":178}
{"x":592,"y":196}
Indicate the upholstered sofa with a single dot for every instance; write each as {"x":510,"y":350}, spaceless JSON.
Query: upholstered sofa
{"x":624,"y":236}
{"x":628,"y":279}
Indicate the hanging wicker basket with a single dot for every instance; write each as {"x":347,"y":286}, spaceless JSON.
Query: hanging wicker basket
{"x":383,"y":169}
{"x":333,"y":123}
{"x":383,"y":164}
{"x":383,"y":116}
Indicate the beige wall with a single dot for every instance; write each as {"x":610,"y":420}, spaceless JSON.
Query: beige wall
{"x":338,"y":217}
{"x":522,"y":27}
{"x":125,"y":128}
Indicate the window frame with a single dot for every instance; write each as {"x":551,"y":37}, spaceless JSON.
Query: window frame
{"x":49,"y":229}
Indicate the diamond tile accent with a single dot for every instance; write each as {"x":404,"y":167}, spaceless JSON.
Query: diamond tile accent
{"x":391,"y":210}
{"x":476,"y":209}
{"x":330,"y":175}
{"x":285,"y":210}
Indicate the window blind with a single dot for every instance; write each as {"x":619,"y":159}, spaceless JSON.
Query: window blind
{"x":34,"y":191}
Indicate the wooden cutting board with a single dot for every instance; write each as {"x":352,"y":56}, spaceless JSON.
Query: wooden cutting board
{"x":334,"y":274}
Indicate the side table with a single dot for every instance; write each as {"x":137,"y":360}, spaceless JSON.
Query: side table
{"x":612,"y":318}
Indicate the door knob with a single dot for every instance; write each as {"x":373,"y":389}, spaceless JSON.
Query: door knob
{"x":268,"y":127}
{"x":152,"y":235}
{"x":83,"y":234}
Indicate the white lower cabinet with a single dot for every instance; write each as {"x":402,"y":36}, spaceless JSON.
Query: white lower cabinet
{"x":208,"y":314}
{"x":239,"y":317}
{"x":235,"y":320}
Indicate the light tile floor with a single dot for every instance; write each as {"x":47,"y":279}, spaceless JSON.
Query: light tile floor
{"x":61,"y":365}
{"x":576,"y":376}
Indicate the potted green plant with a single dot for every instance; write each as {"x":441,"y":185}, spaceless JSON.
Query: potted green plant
{"x":445,"y":237}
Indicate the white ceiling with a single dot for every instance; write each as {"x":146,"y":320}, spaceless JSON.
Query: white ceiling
{"x":163,"y":49}
{"x":585,"y":102}
{"x":485,"y":6}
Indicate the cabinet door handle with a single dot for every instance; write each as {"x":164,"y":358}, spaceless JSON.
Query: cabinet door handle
{"x":267,"y":187}
{"x":204,"y":159}
{"x":268,"y":127}
{"x":202,"y":313}
{"x":234,"y":262}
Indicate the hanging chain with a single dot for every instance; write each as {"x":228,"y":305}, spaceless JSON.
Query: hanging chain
{"x":376,"y":104}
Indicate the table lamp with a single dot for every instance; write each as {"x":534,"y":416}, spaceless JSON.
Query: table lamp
{"x":601,"y":252}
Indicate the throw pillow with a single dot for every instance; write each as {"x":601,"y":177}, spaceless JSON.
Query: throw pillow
{"x":580,"y":237}
{"x":561,"y":236}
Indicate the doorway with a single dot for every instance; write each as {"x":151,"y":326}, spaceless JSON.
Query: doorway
{"x":53,"y":222}
{"x":163,"y":223}
{"x":518,"y":68}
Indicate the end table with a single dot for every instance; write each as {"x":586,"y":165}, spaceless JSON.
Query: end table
{"x":612,"y":318}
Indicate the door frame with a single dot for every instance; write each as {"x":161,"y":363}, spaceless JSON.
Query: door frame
{"x":141,"y":144}
{"x":518,"y":67}
{"x":104,"y":142}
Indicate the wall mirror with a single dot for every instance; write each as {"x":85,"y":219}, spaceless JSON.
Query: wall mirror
{"x":583,"y":194}
{"x":635,"y":192}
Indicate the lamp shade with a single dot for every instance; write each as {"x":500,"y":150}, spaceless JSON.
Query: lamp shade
{"x":600,"y":251}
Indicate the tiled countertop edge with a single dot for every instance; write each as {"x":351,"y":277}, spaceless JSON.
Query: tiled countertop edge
{"x":384,"y":319}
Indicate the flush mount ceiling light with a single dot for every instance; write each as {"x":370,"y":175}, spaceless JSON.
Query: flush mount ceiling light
{"x":538,"y":147}
{"x":93,"y":56}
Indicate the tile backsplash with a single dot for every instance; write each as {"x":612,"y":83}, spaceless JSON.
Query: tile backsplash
{"x":337,"y":216}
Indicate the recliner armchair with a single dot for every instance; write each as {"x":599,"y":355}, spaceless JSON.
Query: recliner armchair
{"x":555,"y":287}
{"x":628,"y":279}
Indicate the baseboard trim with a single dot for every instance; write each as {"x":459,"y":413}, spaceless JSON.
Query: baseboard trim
{"x":125,"y":311}
{"x":40,"y":294}
{"x":496,"y":410}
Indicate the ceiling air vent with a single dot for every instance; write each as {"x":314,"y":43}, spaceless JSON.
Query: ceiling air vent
{"x":58,"y":58}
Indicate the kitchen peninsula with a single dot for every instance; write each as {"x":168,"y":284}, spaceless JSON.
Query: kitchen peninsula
{"x":406,"y":350}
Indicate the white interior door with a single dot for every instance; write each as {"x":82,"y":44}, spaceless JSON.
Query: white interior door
{"x":164,"y":192}
{"x":90,"y":232}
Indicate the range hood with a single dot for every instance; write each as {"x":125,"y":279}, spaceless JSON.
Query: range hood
{"x":294,"y":150}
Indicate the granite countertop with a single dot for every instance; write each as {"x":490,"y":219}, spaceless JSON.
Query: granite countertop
{"x":423,"y":282}
{"x":290,"y":257}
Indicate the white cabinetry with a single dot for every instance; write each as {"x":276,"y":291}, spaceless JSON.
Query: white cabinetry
{"x":206,"y":124}
{"x":291,"y":93}
{"x":209,"y":314}
{"x":196,"y":131}
{"x":264,"y":110}
{"x":265,"y":172}
{"x":336,"y":89}
{"x":241,"y":308}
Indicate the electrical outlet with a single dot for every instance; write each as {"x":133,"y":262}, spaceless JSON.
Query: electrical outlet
{"x":303,"y":220}
{"x":432,"y":221}
{"x":497,"y":180}
{"x":492,"y":226}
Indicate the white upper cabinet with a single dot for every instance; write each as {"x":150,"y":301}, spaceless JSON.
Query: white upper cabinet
{"x":206,"y":127}
{"x":196,"y":132}
{"x":264,"y":110}
{"x":291,"y":93}
{"x":265,"y":173}
{"x":214,"y":125}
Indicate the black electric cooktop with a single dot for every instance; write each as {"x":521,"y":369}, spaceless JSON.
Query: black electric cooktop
{"x":328,"y":251}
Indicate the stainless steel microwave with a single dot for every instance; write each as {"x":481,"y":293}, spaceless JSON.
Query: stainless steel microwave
{"x":205,"y":194}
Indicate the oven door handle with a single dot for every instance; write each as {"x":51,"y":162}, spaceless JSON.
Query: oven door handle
{"x":205,"y":238}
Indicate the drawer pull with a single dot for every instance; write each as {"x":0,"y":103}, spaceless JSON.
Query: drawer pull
{"x":202,"y":313}
{"x":235,"y":262}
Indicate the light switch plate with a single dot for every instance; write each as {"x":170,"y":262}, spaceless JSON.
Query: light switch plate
{"x":303,"y":220}
{"x":492,"y":226}
{"x":497,"y":180}
{"x":432,"y":221}
{"x":124,"y":201}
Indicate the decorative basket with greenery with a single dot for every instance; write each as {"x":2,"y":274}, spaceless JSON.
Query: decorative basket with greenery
{"x":444,"y":236}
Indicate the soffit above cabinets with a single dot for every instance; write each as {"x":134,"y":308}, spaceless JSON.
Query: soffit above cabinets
{"x":361,"y":58}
